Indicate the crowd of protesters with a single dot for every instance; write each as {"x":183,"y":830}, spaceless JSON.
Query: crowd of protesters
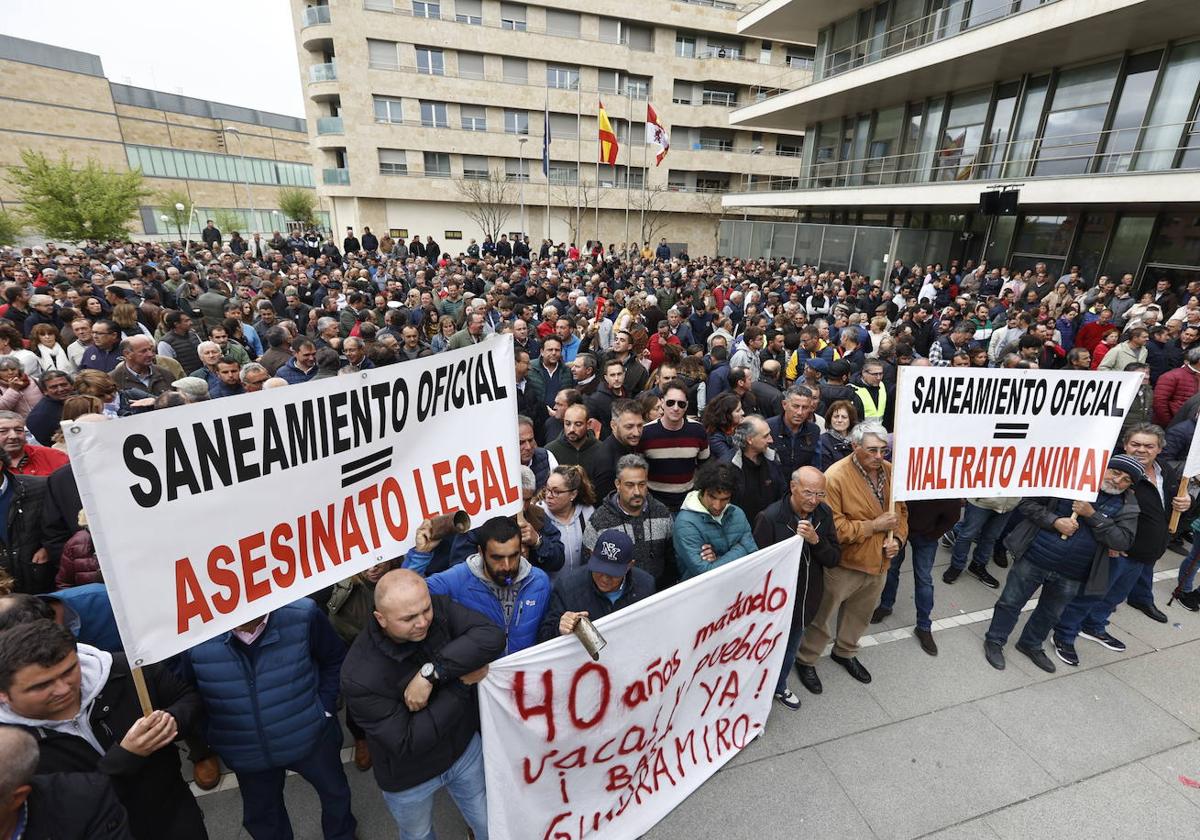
{"x":675,"y":414}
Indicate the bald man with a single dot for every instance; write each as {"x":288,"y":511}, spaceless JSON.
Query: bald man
{"x":801,"y":513}
{"x":409,"y":680}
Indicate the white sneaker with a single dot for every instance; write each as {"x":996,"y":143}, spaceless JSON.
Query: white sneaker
{"x":788,"y":698}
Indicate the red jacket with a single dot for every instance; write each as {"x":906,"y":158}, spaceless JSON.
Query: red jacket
{"x":78,"y":564}
{"x":656,"y":349}
{"x":1090,"y":334}
{"x":1173,"y":389}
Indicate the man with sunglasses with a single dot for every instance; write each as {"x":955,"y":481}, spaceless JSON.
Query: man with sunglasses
{"x":674,"y":446}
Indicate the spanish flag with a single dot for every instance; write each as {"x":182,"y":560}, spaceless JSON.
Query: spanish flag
{"x":608,"y":140}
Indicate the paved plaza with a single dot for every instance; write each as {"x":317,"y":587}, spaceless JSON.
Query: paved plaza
{"x":944,"y":747}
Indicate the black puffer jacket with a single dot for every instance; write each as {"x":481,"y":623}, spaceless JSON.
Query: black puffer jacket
{"x":778,"y":523}
{"x":26,"y":534}
{"x":409,"y":748}
{"x":75,"y":806}
{"x":574,"y":591}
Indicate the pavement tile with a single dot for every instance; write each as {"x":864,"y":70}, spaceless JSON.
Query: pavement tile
{"x":1169,"y":677}
{"x":977,"y":829}
{"x":927,"y":773}
{"x":792,"y":795}
{"x":1181,"y":627}
{"x":1179,"y":768}
{"x":1122,"y":803}
{"x":1083,"y":724}
{"x":909,"y":682}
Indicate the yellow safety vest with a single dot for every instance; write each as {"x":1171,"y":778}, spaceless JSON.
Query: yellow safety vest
{"x":870,"y":409}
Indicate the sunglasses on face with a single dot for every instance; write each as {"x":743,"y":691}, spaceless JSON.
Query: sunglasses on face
{"x":675,"y":403}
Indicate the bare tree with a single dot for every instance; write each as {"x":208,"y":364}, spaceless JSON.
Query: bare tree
{"x":489,"y":201}
{"x":715,"y":210}
{"x":651,"y":206}
{"x":565,"y":197}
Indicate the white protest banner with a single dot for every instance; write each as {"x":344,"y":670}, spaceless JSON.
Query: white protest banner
{"x":575,"y":748}
{"x":209,"y":515}
{"x":981,"y":432}
{"x":1191,"y":466}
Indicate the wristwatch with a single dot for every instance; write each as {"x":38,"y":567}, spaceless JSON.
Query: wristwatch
{"x":429,"y":672}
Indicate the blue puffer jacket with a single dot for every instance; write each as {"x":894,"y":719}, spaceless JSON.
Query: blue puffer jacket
{"x":730,"y":536}
{"x":267,"y":702}
{"x":533,"y":596}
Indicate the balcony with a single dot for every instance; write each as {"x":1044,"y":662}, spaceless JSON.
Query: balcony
{"x":323,"y":72}
{"x":314,"y":15}
{"x":944,"y":52}
{"x":330,"y":125}
{"x":336,"y":177}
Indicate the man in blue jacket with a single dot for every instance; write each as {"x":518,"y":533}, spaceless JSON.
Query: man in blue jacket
{"x":270,"y":688}
{"x":498,"y":582}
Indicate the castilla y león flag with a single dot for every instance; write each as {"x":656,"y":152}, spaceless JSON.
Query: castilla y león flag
{"x":656,"y":135}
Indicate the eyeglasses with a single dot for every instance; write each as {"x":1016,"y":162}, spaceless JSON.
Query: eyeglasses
{"x":552,"y":492}
{"x":875,"y":450}
{"x":813,"y":494}
{"x":675,"y":403}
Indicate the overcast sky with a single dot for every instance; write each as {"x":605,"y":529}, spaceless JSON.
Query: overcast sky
{"x":241,"y":52}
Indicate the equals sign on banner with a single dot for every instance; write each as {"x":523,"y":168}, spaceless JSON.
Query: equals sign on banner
{"x":365,"y":467}
{"x":1011,"y":431}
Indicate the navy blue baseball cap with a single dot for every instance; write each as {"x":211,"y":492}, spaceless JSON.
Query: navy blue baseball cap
{"x":613,"y":554}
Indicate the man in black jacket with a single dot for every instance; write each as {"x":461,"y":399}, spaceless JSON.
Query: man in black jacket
{"x":29,"y":546}
{"x":409,"y":682}
{"x":625,"y":421}
{"x":81,"y":705}
{"x":802,"y":513}
{"x":608,"y":583}
{"x":1087,"y":615}
{"x":62,"y":806}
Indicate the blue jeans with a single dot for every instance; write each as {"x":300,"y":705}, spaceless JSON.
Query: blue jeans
{"x":1091,"y":612}
{"x":795,"y":635}
{"x":982,"y":527}
{"x":263,"y":811}
{"x":1143,"y":587}
{"x":1187,"y":569}
{"x":1024,"y":579}
{"x":923,"y":553}
{"x":412,"y":809}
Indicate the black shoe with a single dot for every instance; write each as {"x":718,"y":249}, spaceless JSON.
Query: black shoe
{"x":946,"y":540}
{"x":1000,"y":558}
{"x":853,"y":667}
{"x":788,"y":698}
{"x":809,"y":678}
{"x":994,"y":654}
{"x":1104,"y":638}
{"x":951,"y":574}
{"x":1150,"y":611}
{"x":1177,"y":545}
{"x":926,"y":639}
{"x":1188,"y":600}
{"x":1066,"y":653}
{"x":981,"y":573}
{"x":1039,"y":658}
{"x":880,"y":614}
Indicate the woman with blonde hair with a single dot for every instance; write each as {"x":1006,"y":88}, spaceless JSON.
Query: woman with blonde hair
{"x":74,"y":408}
{"x":124,"y":315}
{"x":446,"y":330}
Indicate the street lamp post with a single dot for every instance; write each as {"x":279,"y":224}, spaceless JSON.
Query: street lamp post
{"x":757,"y":150}
{"x":166,"y":223}
{"x":521,"y":177}
{"x":179,"y":208}
{"x":245,"y":172}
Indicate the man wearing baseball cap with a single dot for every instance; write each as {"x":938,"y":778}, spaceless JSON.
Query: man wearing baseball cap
{"x":608,"y":583}
{"x":1062,"y":547}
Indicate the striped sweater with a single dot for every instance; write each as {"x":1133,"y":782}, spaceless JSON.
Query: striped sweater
{"x":673,"y":456}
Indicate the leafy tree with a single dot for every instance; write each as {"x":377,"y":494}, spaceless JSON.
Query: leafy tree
{"x":10,"y":227}
{"x":228,"y":221}
{"x":67,"y":203}
{"x":298,"y":205}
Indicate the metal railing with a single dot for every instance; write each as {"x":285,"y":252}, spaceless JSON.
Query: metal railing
{"x":1068,"y":155}
{"x":330,"y":125}
{"x":314,"y":15}
{"x":323,"y":72}
{"x":953,"y":19}
{"x":335,"y":176}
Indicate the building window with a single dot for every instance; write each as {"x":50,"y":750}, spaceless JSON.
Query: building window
{"x":512,"y":16}
{"x":516,"y":70}
{"x":437,"y":165}
{"x":685,"y":46}
{"x":430,"y":62}
{"x":433,"y":115}
{"x":637,"y":87}
{"x":203,"y":166}
{"x":393,"y":162}
{"x":475,"y":167}
{"x":562,"y":23}
{"x":382,"y":55}
{"x":426,"y":10}
{"x":470,"y":65}
{"x":516,"y":122}
{"x":474,"y":117}
{"x":469,"y":12}
{"x":388,"y":110}
{"x":516,"y":169}
{"x":563,"y":78}
{"x":562,"y":174}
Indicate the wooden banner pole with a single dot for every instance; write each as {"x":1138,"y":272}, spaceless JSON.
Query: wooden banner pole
{"x":1181,"y":493}
{"x":139,"y":683}
{"x":1074,"y":518}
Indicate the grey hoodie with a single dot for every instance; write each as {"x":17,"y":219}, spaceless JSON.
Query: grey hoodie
{"x":94,"y":667}
{"x":506,"y":595}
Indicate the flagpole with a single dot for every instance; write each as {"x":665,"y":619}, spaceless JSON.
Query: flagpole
{"x":578,"y":156}
{"x":599,"y":155}
{"x":645,"y":164}
{"x":628,"y":168}
{"x":549,"y":140}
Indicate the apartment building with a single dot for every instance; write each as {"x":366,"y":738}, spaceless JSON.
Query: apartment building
{"x":226,"y":159}
{"x":1087,"y":109}
{"x":429,"y":117}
